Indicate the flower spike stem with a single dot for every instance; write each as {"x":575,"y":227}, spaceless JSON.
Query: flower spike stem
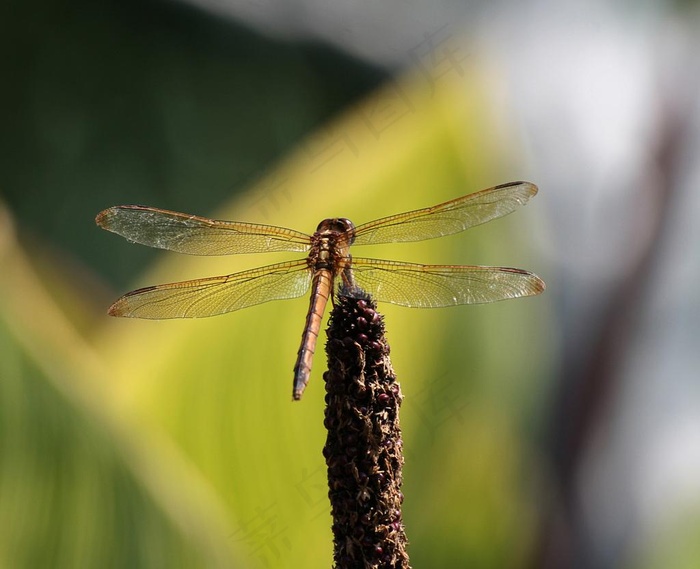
{"x":363,"y":449}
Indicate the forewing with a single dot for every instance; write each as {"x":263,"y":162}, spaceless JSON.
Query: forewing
{"x":216,"y":295}
{"x":197,"y":235}
{"x":446,"y":218}
{"x":432,"y":286}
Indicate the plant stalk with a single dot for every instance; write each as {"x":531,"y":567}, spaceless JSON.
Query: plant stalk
{"x":363,"y":448}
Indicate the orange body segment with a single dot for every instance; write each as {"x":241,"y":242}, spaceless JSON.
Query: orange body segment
{"x":320,"y":292}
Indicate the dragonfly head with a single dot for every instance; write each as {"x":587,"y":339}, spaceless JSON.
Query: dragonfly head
{"x":337,"y":226}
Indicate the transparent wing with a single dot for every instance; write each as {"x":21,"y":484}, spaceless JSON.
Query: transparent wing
{"x":432,"y":286}
{"x":216,"y":295}
{"x":446,"y":218}
{"x":197,"y":235}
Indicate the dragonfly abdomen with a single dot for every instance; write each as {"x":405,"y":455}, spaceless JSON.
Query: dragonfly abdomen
{"x":320,"y":292}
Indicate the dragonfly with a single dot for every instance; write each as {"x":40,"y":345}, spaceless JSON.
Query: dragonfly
{"x":328,"y":268}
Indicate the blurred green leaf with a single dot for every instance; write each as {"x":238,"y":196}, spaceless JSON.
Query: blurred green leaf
{"x":79,"y":485}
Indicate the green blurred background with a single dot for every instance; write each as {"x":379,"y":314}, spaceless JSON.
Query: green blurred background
{"x":129,"y":443}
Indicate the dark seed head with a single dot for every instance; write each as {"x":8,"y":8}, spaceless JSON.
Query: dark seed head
{"x":363,"y":443}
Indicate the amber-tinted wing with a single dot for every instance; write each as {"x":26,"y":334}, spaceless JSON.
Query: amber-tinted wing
{"x":446,"y":218}
{"x":197,"y":235}
{"x":216,"y":295}
{"x":432,"y":286}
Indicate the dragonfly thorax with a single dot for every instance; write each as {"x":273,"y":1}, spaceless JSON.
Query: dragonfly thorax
{"x":330,"y":243}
